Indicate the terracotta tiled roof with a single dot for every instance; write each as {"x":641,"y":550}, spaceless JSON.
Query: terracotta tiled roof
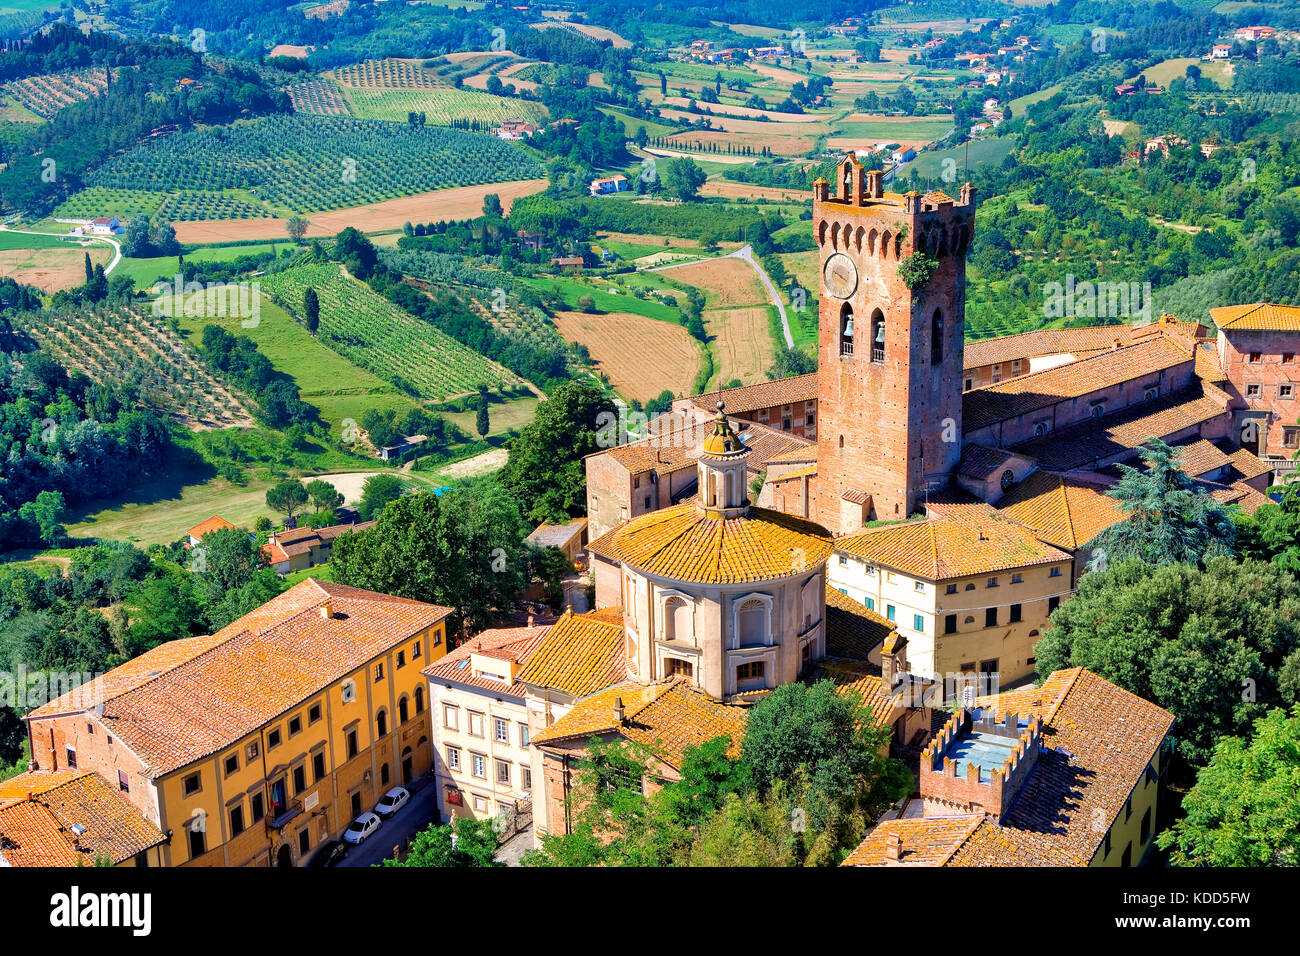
{"x":557,"y":535}
{"x":1079,"y":342}
{"x":797,"y":454}
{"x":604,"y":545}
{"x":583,"y":653}
{"x":980,"y":461}
{"x":1200,"y":456}
{"x":135,"y":672}
{"x":1065,"y":510}
{"x":749,"y":398}
{"x":1207,"y":363}
{"x":1097,"y":742}
{"x":668,"y":717}
{"x":665,"y":453}
{"x":215,"y":523}
{"x":768,"y":444}
{"x":687,"y":543}
{"x":1067,"y":804}
{"x":1026,"y":394}
{"x":1248,"y":465}
{"x":923,"y":842}
{"x":852,"y":631}
{"x":968,"y":539}
{"x":859,"y":680}
{"x":503,"y":643}
{"x":39,"y":832}
{"x":1123,"y":432}
{"x":256,"y":668}
{"x":1257,"y":317}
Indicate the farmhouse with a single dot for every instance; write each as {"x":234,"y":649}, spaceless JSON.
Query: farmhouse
{"x":1254,"y":33}
{"x":301,"y":548}
{"x":609,"y":184}
{"x":407,"y":446}
{"x":105,"y":226}
{"x":1221,"y":51}
{"x":215,"y":523}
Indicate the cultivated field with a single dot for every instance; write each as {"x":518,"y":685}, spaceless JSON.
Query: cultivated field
{"x":51,"y":270}
{"x":371,"y":332}
{"x":465,"y":202}
{"x":641,"y":356}
{"x":741,"y":343}
{"x":125,"y":345}
{"x":46,"y":95}
{"x":319,"y":96}
{"x":724,"y":282}
{"x":309,"y":163}
{"x":728,"y":189}
{"x":441,"y":106}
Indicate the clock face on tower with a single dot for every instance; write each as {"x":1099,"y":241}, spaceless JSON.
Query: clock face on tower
{"x":840,"y":276}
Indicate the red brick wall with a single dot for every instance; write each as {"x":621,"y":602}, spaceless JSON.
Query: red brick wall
{"x":882,"y":424}
{"x":1269,"y":374}
{"x":98,"y":751}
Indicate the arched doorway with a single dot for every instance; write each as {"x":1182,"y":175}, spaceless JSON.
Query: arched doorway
{"x":283,"y":857}
{"x":408,"y":769}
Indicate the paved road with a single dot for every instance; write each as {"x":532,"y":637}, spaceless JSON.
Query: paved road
{"x":746,"y":254}
{"x":117,"y":246}
{"x":421,"y":811}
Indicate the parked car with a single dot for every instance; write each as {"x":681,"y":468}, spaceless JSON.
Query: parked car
{"x":361,"y":828}
{"x":330,"y":854}
{"x":392,"y":801}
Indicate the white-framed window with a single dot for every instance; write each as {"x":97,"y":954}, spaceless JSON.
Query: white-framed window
{"x":751,"y":620}
{"x":503,"y":773}
{"x":523,"y":734}
{"x":478,"y":766}
{"x":475,"y":724}
{"x":501,"y":730}
{"x":453,"y":758}
{"x":480,"y":803}
{"x":451,"y":717}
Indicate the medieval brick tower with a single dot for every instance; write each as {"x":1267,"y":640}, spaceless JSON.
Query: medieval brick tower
{"x":890,"y":355}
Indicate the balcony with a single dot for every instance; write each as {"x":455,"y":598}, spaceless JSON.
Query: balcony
{"x":846,"y":347}
{"x":281,"y":817}
{"x":877,"y":353}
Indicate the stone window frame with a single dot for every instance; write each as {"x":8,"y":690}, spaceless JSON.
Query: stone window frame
{"x":662,"y":599}
{"x":737,"y":604}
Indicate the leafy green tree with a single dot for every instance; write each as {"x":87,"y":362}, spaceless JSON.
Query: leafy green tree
{"x":683,"y":178}
{"x":1272,"y":533}
{"x":1216,"y":647}
{"x":492,"y":206}
{"x":464,"y":843}
{"x":288,"y":496}
{"x":296,"y":227}
{"x":165,"y":608}
{"x":45,"y":513}
{"x":790,"y":362}
{"x":462,"y":549}
{"x":545,"y":469}
{"x":828,"y":739}
{"x":224,"y":560}
{"x":1243,"y":810}
{"x":1168,"y":517}
{"x":749,"y":830}
{"x":376,"y":492}
{"x":323,"y":495}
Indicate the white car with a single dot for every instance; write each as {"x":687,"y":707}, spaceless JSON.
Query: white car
{"x":392,"y":801}
{"x":361,"y":828}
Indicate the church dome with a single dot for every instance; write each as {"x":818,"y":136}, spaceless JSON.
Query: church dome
{"x":694,"y":545}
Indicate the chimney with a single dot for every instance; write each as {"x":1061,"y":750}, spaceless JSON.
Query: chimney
{"x":894,"y":847}
{"x":327,"y":610}
{"x":620,"y":712}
